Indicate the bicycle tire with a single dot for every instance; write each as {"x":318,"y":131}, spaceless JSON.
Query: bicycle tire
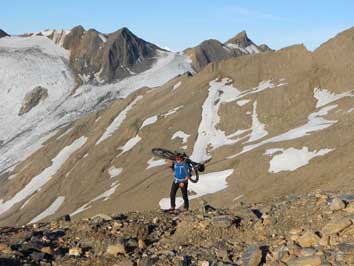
{"x":163,"y":153}
{"x":196,"y":179}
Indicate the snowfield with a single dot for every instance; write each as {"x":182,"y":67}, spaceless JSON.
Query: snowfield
{"x":44,"y":63}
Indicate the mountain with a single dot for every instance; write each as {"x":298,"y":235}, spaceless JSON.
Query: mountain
{"x":213,"y":51}
{"x":274,"y":123}
{"x":3,"y":33}
{"x":265,"y":48}
{"x":102,"y":58}
{"x":293,"y":230}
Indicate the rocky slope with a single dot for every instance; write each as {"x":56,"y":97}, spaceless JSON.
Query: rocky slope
{"x":288,"y":112}
{"x":308,"y":230}
{"x":213,"y":50}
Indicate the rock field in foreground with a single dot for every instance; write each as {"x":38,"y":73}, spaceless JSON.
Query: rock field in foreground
{"x":308,"y":230}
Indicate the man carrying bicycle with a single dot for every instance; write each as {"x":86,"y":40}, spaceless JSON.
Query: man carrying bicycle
{"x":182,"y":172}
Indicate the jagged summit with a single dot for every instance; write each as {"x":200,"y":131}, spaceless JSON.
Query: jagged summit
{"x":240,"y":39}
{"x":101,"y":58}
{"x":210,"y":51}
{"x":3,"y":33}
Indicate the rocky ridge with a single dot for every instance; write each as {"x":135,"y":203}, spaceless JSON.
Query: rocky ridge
{"x":210,"y":51}
{"x":316,"y":229}
{"x":3,"y":33}
{"x":101,"y":58}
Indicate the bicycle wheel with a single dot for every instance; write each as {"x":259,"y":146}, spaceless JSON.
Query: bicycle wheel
{"x":163,"y":153}
{"x":196,"y":178}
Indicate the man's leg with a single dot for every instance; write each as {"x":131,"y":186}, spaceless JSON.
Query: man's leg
{"x":185,"y":196}
{"x":174,"y":189}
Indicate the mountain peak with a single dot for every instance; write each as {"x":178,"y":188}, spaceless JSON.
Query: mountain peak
{"x":241,"y":39}
{"x":122,"y":32}
{"x":3,"y":33}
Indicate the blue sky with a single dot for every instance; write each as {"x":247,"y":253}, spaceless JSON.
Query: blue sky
{"x":181,"y":24}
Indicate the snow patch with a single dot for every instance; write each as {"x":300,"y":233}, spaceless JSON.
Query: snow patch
{"x":315,"y":122}
{"x":149,"y":121}
{"x":181,"y":135}
{"x":130,"y":144}
{"x":258,"y":130}
{"x":172,"y":111}
{"x":117,"y":122}
{"x":208,"y":135}
{"x":177,"y":85}
{"x":292,"y":158}
{"x":114,"y":172}
{"x":40,"y":180}
{"x":105,"y":196}
{"x":102,"y":37}
{"x":252,"y":49}
{"x":243,"y":102}
{"x":52,"y":209}
{"x":65,"y":133}
{"x":27,"y":201}
{"x":208,"y":184}
{"x":154,"y":163}
{"x":325,"y":97}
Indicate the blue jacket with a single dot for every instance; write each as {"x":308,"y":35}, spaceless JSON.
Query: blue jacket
{"x":182,"y":170}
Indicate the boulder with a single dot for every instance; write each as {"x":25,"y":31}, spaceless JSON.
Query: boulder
{"x":308,"y":239}
{"x":305,"y":261}
{"x":336,"y":204}
{"x":252,"y":256}
{"x":98,"y":218}
{"x":32,"y":99}
{"x":222,"y":221}
{"x":75,"y":251}
{"x":116,"y":249}
{"x":336,"y":226}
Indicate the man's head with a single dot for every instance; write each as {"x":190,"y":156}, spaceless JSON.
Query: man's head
{"x":179,"y":157}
